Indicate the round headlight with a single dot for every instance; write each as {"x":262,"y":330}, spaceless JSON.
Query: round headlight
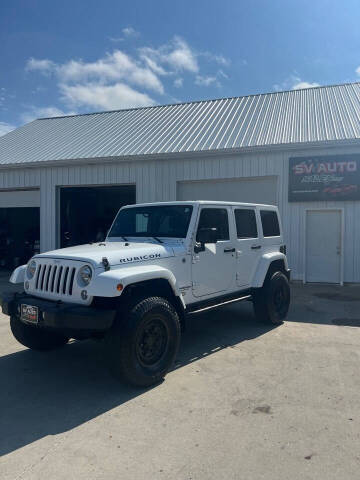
{"x":31,"y":269}
{"x":85,"y":274}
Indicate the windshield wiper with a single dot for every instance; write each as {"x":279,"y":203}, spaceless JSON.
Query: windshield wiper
{"x":157,"y":239}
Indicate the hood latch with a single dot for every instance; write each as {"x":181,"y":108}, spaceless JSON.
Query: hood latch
{"x":106,"y":264}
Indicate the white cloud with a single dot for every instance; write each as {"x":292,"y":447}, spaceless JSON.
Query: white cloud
{"x":6,"y":128}
{"x":44,"y":66}
{"x":109,"y":97}
{"x":176,"y":54}
{"x":122,"y":80}
{"x":130,"y":32}
{"x":294,"y":82}
{"x":206,"y":81}
{"x":113,"y":67}
{"x":301,"y":85}
{"x":179,"y":57}
{"x":153,"y":65}
{"x":220,"y":59}
{"x":116,"y":39}
{"x":43,"y":112}
{"x":182,"y":57}
{"x":221,"y":73}
{"x":178,"y":82}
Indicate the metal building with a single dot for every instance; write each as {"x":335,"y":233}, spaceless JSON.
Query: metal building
{"x":62,"y":179}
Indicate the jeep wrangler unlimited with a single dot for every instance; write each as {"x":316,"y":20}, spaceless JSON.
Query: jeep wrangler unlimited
{"x":160,"y":263}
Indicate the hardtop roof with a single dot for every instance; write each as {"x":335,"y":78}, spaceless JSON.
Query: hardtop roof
{"x":202,"y":202}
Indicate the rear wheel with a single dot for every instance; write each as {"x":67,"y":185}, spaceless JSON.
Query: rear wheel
{"x":36,"y":338}
{"x":271,"y":302}
{"x":143,"y":343}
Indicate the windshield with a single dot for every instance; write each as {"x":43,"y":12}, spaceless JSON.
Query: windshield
{"x":157,"y":221}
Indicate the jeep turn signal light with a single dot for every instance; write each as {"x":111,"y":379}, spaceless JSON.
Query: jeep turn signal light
{"x":119,"y":287}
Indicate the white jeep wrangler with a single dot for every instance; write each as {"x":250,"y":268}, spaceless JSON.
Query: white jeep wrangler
{"x":160,"y":263}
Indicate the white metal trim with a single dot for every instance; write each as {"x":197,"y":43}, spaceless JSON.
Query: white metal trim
{"x":186,"y":155}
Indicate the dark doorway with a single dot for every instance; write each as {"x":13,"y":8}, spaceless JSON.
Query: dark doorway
{"x":86,"y":213}
{"x":19,"y":235}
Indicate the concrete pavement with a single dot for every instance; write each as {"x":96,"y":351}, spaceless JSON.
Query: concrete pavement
{"x":244,"y":401}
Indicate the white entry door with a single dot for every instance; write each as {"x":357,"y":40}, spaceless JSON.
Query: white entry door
{"x":323,"y":246}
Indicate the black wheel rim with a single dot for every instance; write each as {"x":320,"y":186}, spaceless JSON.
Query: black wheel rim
{"x":152,"y":342}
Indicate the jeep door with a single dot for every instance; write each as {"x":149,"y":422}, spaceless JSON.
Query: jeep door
{"x":213,"y":269}
{"x":248,"y":244}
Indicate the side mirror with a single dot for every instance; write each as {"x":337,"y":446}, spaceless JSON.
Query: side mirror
{"x":205,"y":235}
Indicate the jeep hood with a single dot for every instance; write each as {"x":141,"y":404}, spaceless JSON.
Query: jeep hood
{"x":115,"y":252}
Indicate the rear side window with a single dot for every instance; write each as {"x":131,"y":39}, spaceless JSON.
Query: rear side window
{"x":270,"y":223}
{"x":215,"y":218}
{"x":245,"y":223}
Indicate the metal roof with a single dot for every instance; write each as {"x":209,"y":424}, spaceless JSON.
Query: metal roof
{"x":291,"y":117}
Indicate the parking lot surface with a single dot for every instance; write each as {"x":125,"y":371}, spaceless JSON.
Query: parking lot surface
{"x":244,"y":401}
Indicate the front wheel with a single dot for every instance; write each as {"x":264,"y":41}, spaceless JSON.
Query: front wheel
{"x":36,"y":338}
{"x":143,"y":343}
{"x":271,"y":302}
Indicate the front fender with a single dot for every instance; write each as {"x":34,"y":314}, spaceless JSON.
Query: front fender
{"x":264,"y":265}
{"x":18,"y":275}
{"x":104,"y":284}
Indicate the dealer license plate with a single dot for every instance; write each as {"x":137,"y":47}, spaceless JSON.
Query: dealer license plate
{"x":29,"y":313}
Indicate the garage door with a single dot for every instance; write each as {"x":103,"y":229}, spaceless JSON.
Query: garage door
{"x":86,"y":213}
{"x":251,"y":190}
{"x":20,"y":198}
{"x":19,"y":227}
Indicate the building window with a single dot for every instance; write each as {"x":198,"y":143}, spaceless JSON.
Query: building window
{"x":245,"y":223}
{"x":270,"y":223}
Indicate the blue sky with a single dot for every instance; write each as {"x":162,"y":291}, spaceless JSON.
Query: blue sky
{"x":77,"y":56}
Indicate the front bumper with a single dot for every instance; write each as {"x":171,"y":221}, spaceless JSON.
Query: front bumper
{"x":60,"y":316}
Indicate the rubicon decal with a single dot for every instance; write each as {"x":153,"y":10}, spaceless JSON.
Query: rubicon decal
{"x":140,"y":258}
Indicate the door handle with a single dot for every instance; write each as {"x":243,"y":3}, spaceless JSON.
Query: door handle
{"x":255,"y":247}
{"x":229,"y":250}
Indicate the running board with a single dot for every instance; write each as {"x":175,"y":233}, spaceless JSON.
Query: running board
{"x":227,"y":302}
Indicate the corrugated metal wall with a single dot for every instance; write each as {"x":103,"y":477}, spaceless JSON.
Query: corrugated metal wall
{"x":156,"y":180}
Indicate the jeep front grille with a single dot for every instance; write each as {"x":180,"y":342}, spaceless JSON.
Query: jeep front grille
{"x":55,"y":279}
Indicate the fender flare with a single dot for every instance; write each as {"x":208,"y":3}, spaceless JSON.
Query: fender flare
{"x":105,"y":283}
{"x":18,"y":275}
{"x":263,"y":266}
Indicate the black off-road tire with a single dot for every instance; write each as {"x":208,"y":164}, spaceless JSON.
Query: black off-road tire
{"x":36,"y":338}
{"x":271,"y":302}
{"x":143,"y":342}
